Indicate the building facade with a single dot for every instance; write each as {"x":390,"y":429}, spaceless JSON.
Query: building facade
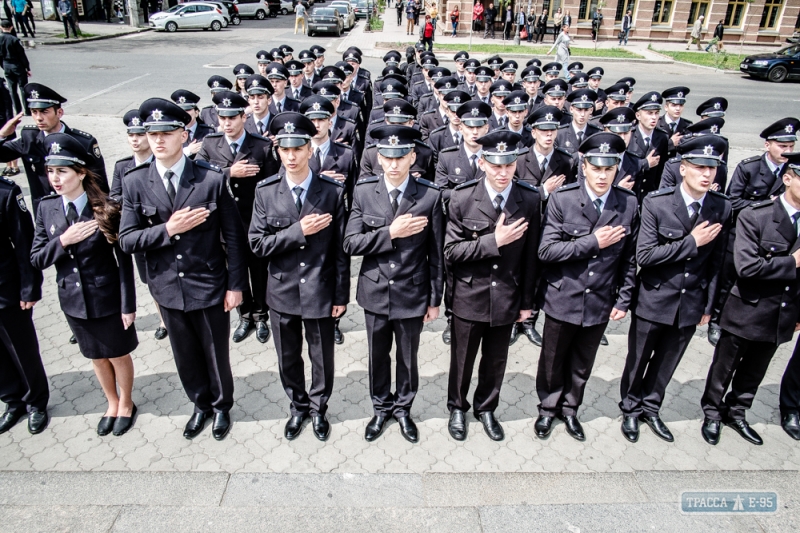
{"x":755,"y":21}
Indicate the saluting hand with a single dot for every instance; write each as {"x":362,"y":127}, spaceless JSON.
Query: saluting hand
{"x":241,"y":169}
{"x":653,"y":159}
{"x":314,"y":223}
{"x":194,"y":146}
{"x":504,"y":235}
{"x":407,"y":225}
{"x":554,"y":182}
{"x":704,"y":234}
{"x":11,"y":126}
{"x":185,"y":219}
{"x":233,"y":299}
{"x":608,"y":236}
{"x":627,"y":182}
{"x":78,"y":232}
{"x":334,"y":175}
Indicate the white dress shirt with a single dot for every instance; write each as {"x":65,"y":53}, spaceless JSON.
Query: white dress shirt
{"x":493,"y":194}
{"x":177,"y":172}
{"x":305,"y":185}
{"x":79,"y":203}
{"x":688,"y":200}
{"x":593,"y":197}
{"x":401,"y":188}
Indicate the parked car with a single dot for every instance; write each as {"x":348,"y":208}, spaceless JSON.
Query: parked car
{"x":233,"y":11}
{"x":226,"y":14}
{"x":325,"y":20}
{"x":258,"y":9}
{"x":191,"y":15}
{"x":778,"y":66}
{"x":795,"y":38}
{"x":287,"y":6}
{"x":347,"y":12}
{"x":363,"y":8}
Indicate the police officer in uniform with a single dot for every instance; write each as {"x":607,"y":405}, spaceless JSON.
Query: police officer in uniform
{"x":671,"y":121}
{"x":671,"y":176}
{"x":516,"y":105}
{"x":680,"y":249}
{"x":761,"y":311}
{"x":197,"y":131}
{"x":23,"y":382}
{"x":297,"y":89}
{"x":397,"y":225}
{"x":45,"y":105}
{"x":490,"y":246}
{"x":278,"y":76}
{"x":245,"y":159}
{"x":298,"y":225}
{"x":449,"y":134}
{"x":499,"y":90}
{"x":259,"y":99}
{"x":171,"y":209}
{"x":436,"y":117}
{"x":631,"y":168}
{"x":649,"y":141}
{"x":208,"y":115}
{"x":581,"y":105}
{"x":310,"y":76}
{"x":587,"y":251}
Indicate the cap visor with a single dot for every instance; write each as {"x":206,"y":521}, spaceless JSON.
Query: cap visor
{"x":318,"y":114}
{"x":257,"y":90}
{"x":229,"y":112}
{"x":40,"y":105}
{"x":504,"y":159}
{"x":602,"y":161}
{"x":546,"y":126}
{"x":517,"y":107}
{"x":162,"y":127}
{"x":619,"y":128}
{"x":58,"y":162}
{"x":395,"y":119}
{"x":702,"y":161}
{"x":474,"y":122}
{"x":617,"y":98}
{"x":679,"y":101}
{"x":137,"y":129}
{"x":783,"y":138}
{"x":582,"y":105}
{"x":292,"y":142}
{"x":394,"y":152}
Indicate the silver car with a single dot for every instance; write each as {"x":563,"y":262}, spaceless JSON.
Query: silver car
{"x":191,"y":15}
{"x":347,"y":11}
{"x":258,"y":9}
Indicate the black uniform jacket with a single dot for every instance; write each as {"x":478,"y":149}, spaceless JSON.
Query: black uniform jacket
{"x":399,"y":278}
{"x":682,"y":125}
{"x":582,"y":283}
{"x":453,"y":169}
{"x":423,"y":166}
{"x":191,"y":270}
{"x":568,"y":139}
{"x":763,"y":304}
{"x":560,"y":162}
{"x":672,"y":174}
{"x":289,"y":104}
{"x":753,"y":181}
{"x":441,"y":138}
{"x":94,"y":277}
{"x":209,"y":116}
{"x":19,"y":280}
{"x":677,"y":279}
{"x":308,"y":274}
{"x":491,"y":284}
{"x":658,"y":142}
{"x":429,"y":121}
{"x":120,"y":168}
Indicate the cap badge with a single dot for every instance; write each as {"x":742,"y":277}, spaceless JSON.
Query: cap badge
{"x":135,"y":121}
{"x":389,"y":89}
{"x":330,"y":74}
{"x":717,"y":105}
{"x":396,"y":110}
{"x":654,"y":98}
{"x":789,"y":128}
{"x":708,"y":150}
{"x":226,"y":102}
{"x":262,"y":56}
{"x":215,"y":84}
{"x":714,"y":129}
{"x":35,"y":95}
{"x":323,"y":91}
{"x":548,"y":117}
{"x":458,"y":170}
{"x":628,"y":83}
{"x":680,"y":94}
{"x":621,"y":118}
{"x":242,"y":71}
{"x":517,"y":100}
{"x":254,"y":83}
{"x":394,"y":140}
{"x":182,"y":100}
{"x":502,"y":147}
{"x":55,"y":148}
{"x":274,"y":70}
{"x":622,"y":91}
{"x":475,"y":112}
{"x":289,"y":127}
{"x":604,"y":148}
{"x":457,"y":99}
{"x":316,"y":106}
{"x":584,"y":98}
{"x":157,"y":114}
{"x":580,"y":80}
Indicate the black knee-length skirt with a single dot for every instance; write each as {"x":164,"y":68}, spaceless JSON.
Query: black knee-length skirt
{"x":104,"y":337}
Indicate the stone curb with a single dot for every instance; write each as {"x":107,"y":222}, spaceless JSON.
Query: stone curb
{"x":59,"y":42}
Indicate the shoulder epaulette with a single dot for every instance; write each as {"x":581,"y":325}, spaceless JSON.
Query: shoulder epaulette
{"x":526,"y":185}
{"x":205,"y":164}
{"x":270,"y":180}
{"x":124,"y":159}
{"x":563,"y":126}
{"x":623,"y":189}
{"x":49,"y":197}
{"x":377,"y":121}
{"x":428,"y":112}
{"x":209,"y":106}
{"x":675,"y":159}
{"x":363,"y":73}
{"x":628,"y":153}
{"x":427,"y":183}
{"x":563,"y":151}
{"x":418,"y":82}
{"x":370,"y":145}
{"x":762,"y":203}
{"x":331,"y":180}
{"x":420,"y":143}
{"x":522,"y":151}
{"x":215,"y":134}
{"x":568,"y":187}
{"x":751,"y":159}
{"x":367,"y":179}
{"x":449,"y":149}
{"x":137,"y":167}
{"x":346,"y":119}
{"x":253,"y":135}
{"x":342,"y":145}
{"x":662,"y":130}
{"x":7,"y":181}
{"x":717,"y":193}
{"x":82,"y":133}
{"x":467,"y":184}
{"x":440,"y":128}
{"x":377,"y":107}
{"x":30,"y":127}
{"x":662,"y":192}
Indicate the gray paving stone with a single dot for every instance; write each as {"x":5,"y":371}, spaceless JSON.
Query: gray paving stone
{"x":50,"y":519}
{"x":667,"y":486}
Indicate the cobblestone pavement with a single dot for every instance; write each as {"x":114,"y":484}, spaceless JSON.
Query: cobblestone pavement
{"x":256,"y":442}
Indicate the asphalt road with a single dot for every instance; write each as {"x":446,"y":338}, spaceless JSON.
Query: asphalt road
{"x":111,"y":76}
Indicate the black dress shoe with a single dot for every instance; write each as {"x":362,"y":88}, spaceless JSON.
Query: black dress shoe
{"x":10,"y":419}
{"x":106,"y":425}
{"x":195,"y":425}
{"x":221,"y":425}
{"x":630,"y":428}
{"x":408,"y":429}
{"x":710,"y":431}
{"x":574,"y":428}
{"x":243,"y":329}
{"x":446,"y":334}
{"x":262,"y":331}
{"x":321,"y":427}
{"x":338,"y":336}
{"x":374,"y":428}
{"x":124,"y":423}
{"x":514,"y":333}
{"x":603,"y":340}
{"x":294,"y":426}
{"x":37,"y":422}
{"x":790,"y":424}
{"x":457,"y":426}
{"x":543,"y":426}
{"x":73,"y":340}
{"x":161,"y":333}
{"x":658,"y":426}
{"x":491,"y":426}
{"x":743,"y":428}
{"x":530,"y":332}
{"x":714,"y":332}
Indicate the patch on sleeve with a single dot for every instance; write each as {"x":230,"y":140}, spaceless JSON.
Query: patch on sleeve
{"x":96,"y":151}
{"x":21,"y":203}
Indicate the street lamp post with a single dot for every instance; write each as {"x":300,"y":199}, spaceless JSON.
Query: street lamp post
{"x":516,"y":35}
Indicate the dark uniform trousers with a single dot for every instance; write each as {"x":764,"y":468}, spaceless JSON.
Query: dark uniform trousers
{"x":23,"y":381}
{"x":760,"y":312}
{"x":790,"y":384}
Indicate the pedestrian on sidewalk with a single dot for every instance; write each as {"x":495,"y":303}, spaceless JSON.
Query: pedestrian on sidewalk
{"x":65,"y":10}
{"x":562,"y":47}
{"x":410,"y":8}
{"x":434,"y":13}
{"x":477,"y":15}
{"x":520,"y":20}
{"x":29,"y":15}
{"x":417,"y":10}
{"x":107,"y":10}
{"x":300,"y":18}
{"x":719,"y":31}
{"x":491,"y":14}
{"x":538,"y":25}
{"x":508,"y":22}
{"x":120,"y":12}
{"x":20,"y":9}
{"x":16,"y":67}
{"x":454,"y":15}
{"x":697,"y":30}
{"x":626,"y":28}
{"x":597,"y":21}
{"x":400,"y":6}
{"x":427,"y":34}
{"x":558,"y":19}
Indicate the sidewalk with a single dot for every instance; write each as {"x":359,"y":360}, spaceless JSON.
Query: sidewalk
{"x":51,"y":32}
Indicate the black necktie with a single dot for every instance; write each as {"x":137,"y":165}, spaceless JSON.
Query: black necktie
{"x":696,"y":212}
{"x":472,"y":90}
{"x":72,"y":213}
{"x":298,"y":191}
{"x":598,"y":204}
{"x":234,"y":148}
{"x":394,"y":194}
{"x":498,"y":203}
{"x":795,"y":219}
{"x":191,"y":135}
{"x":472,"y":164}
{"x":580,"y":137}
{"x":278,"y":107}
{"x":647,"y":146}
{"x":778,"y":173}
{"x":543,"y":165}
{"x":456,"y":138}
{"x":260,"y":126}
{"x":297,"y":94}
{"x":316,"y":163}
{"x":674,"y":126}
{"x":170,"y":187}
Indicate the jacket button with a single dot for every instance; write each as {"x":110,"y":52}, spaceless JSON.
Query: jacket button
{"x":670,"y":234}
{"x":391,"y":282}
{"x":177,"y":237}
{"x":594,"y":257}
{"x":303,"y":280}
{"x":78,"y":285}
{"x":494,"y":267}
{"x":180,"y":274}
{"x":576,"y":231}
{"x":237,"y":199}
{"x":179,"y":256}
{"x":591,"y":273}
{"x":75,"y":270}
{"x":783,"y":304}
{"x":236,"y":185}
{"x":686,"y":275}
{"x":302,"y":264}
{"x":391,"y":265}
{"x":71,"y":256}
{"x":302,"y":247}
{"x":494,"y":284}
{"x":787,"y":288}
{"x":683,"y":291}
{"x":771,"y":248}
{"x":588,"y":290}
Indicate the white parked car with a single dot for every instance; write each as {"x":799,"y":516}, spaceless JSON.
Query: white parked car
{"x":258,"y":9}
{"x":191,"y":15}
{"x":347,"y":11}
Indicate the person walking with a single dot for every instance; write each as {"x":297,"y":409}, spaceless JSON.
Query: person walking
{"x":626,"y":28}
{"x":719,"y":31}
{"x":434,"y":13}
{"x":300,"y":18}
{"x":697,"y":30}
{"x":477,"y":16}
{"x":427,"y":34}
{"x":20,"y":10}
{"x":454,"y":15}
{"x":558,"y":19}
{"x":29,"y":15}
{"x":65,"y":10}
{"x":541,"y":25}
{"x":562,"y":47}
{"x":400,"y":6}
{"x":15,"y":66}
{"x":410,"y":8}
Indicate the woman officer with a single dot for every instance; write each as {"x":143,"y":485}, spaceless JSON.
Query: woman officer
{"x":76,"y":230}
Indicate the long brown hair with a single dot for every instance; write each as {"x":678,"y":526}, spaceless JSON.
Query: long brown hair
{"x":107,"y":211}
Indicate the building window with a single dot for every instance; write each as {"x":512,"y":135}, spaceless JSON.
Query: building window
{"x":735,"y":13}
{"x":622,"y":7}
{"x":769,"y":17}
{"x":662,"y":11}
{"x":697,"y":9}
{"x":587,"y":9}
{"x":550,"y":7}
